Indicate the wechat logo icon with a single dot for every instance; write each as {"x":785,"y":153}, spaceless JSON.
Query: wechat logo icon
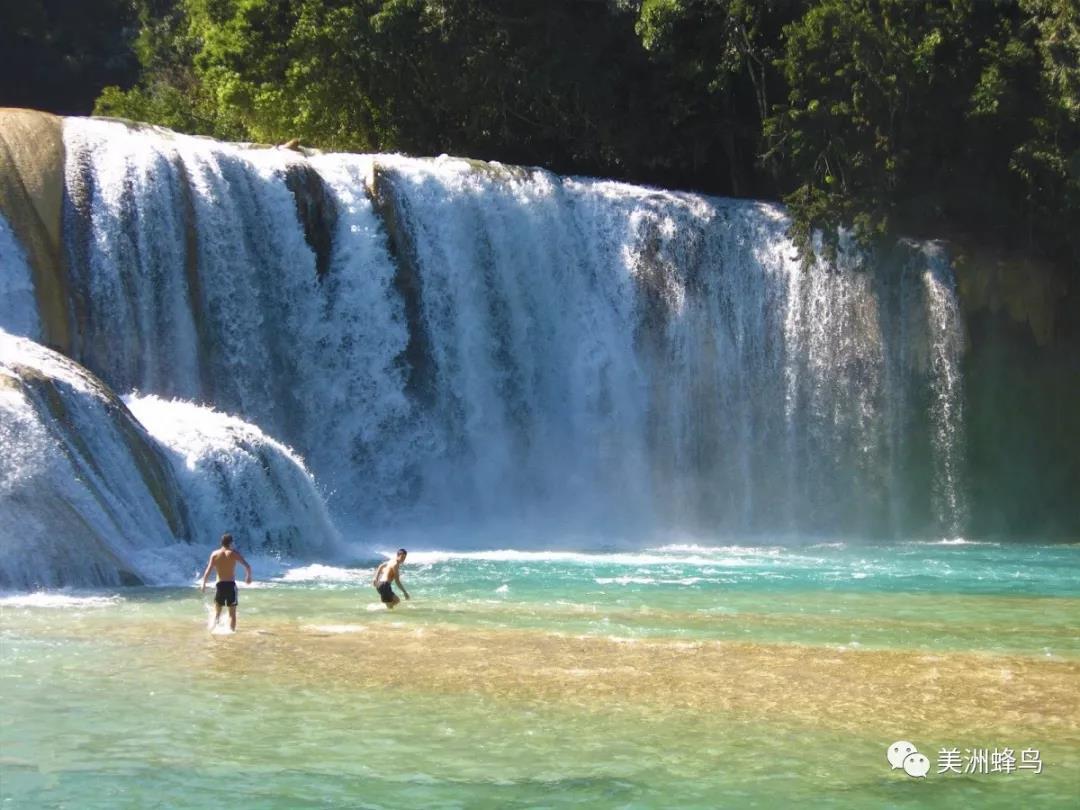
{"x":902,"y":754}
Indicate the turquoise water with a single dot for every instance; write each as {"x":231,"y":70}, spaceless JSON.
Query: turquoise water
{"x":698,"y":676}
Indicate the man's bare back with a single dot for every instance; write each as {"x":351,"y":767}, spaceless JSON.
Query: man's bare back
{"x":223,"y":562}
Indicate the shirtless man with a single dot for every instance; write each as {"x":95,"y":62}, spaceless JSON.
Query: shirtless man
{"x":223,"y":562}
{"x":390,"y":571}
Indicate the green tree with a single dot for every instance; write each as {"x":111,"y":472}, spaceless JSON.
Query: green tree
{"x":170,"y":91}
{"x":871,"y":83}
{"x":924,"y":117}
{"x":1047,"y":161}
{"x":512,"y":80}
{"x":943,"y":119}
{"x":719,"y":56}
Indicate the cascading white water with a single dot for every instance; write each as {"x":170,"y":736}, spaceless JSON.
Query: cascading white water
{"x":92,"y":495}
{"x":235,"y":478}
{"x":483,"y":343}
{"x":946,"y":344}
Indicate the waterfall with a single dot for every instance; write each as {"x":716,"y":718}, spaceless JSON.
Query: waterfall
{"x":237,"y":479}
{"x":94,"y":494}
{"x":452,"y":343}
{"x":946,"y":404}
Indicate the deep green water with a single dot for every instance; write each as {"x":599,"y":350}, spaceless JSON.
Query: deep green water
{"x":690,"y":676}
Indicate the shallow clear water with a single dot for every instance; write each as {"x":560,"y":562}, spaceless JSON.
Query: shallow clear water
{"x":680,"y":675}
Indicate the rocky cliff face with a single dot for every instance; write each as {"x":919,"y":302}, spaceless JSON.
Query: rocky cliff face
{"x":1022,"y":386}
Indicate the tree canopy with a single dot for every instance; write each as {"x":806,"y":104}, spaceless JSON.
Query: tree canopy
{"x":957,"y":118}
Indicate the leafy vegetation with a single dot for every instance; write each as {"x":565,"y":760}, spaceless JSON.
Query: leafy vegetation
{"x":934,"y":117}
{"x":956,"y":118}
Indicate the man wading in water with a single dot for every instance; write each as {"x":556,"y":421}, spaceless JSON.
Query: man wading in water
{"x":223,"y":562}
{"x":390,"y":571}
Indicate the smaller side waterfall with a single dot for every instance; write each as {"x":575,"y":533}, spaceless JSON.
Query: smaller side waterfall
{"x":237,"y":479}
{"x":90,"y":497}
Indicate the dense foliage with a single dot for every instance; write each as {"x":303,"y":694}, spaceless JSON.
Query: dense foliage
{"x":929,"y":117}
{"x":955,"y":118}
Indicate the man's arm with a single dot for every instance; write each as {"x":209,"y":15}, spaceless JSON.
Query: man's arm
{"x":206,"y":573}
{"x":397,"y":579}
{"x":375,"y":579}
{"x":243,"y":562}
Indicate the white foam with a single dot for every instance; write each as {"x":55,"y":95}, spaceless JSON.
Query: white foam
{"x":81,"y":485}
{"x":325,"y":573}
{"x":953,"y":541}
{"x":47,"y":599}
{"x":757,"y":551}
{"x":573,"y":558}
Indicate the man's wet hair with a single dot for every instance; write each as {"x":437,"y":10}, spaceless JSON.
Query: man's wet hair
{"x":226,"y":540}
{"x":402,"y":551}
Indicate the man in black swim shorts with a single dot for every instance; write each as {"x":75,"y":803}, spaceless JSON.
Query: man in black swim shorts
{"x":226,"y":594}
{"x":388,"y":572}
{"x":223,"y":562}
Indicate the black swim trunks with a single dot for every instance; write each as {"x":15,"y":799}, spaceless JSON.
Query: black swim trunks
{"x":386,"y":592}
{"x":226,"y":594}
